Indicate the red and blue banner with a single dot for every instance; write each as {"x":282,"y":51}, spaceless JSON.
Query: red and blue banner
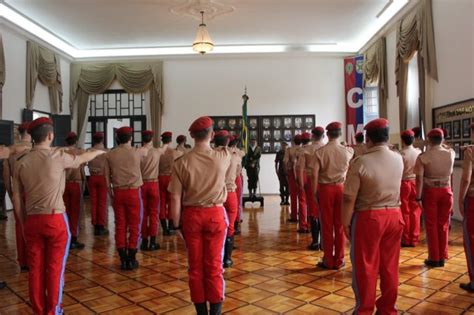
{"x":353,"y":80}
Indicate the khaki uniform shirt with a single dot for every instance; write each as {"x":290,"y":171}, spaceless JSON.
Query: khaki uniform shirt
{"x":150,"y":163}
{"x":16,"y":150}
{"x":290,"y":158}
{"x":359,"y":149}
{"x":239,"y":164}
{"x":122,"y":165}
{"x":167,"y":160}
{"x":409,"y":156}
{"x":199,"y":177}
{"x":375,"y":178}
{"x":74,"y":174}
{"x":182,"y":149}
{"x":435,"y":166}
{"x":96,"y":166}
{"x":233,"y":170}
{"x":332,"y":161}
{"x":41,"y":175}
{"x":468,"y":169}
{"x":419,"y":144}
{"x":305,"y":158}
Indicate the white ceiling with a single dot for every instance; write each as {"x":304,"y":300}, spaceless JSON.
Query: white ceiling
{"x":118,"y":24}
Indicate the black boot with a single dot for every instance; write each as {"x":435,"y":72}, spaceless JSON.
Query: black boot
{"x":229,"y":246}
{"x":132,"y":262}
{"x":153,"y":244}
{"x":216,"y":309}
{"x":171,"y":227}
{"x":201,"y":308}
{"x":144,"y":245}
{"x":164,"y":227}
{"x":123,"y":258}
{"x":282,"y":202}
{"x":75,"y":244}
{"x":236,"y":228}
{"x":287,"y":201}
{"x":314,"y":235}
{"x":96,"y":230}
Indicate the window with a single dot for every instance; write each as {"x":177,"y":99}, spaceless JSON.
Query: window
{"x":371,"y":103}
{"x":413,"y":93}
{"x":114,"y":109}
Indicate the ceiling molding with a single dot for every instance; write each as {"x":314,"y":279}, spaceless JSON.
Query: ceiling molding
{"x":193,"y":8}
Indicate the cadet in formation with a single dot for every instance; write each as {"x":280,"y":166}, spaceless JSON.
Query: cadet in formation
{"x":289,"y":161}
{"x":280,"y":170}
{"x":43,"y":218}
{"x":198,"y":182}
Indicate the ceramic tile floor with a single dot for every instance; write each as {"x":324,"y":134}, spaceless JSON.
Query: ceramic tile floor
{"x":273,"y":273}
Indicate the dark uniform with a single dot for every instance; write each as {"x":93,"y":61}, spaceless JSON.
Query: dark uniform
{"x":253,"y":168}
{"x":282,"y":176}
{"x":4,"y":153}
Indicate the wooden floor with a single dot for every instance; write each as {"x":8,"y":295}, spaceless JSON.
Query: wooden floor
{"x":273,"y":273}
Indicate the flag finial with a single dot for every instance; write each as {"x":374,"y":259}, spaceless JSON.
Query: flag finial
{"x":245,"y":97}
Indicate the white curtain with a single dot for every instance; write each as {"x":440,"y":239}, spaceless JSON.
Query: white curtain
{"x":413,"y":94}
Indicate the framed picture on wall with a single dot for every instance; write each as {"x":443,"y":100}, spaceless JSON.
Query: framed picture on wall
{"x":449,"y":129}
{"x":253,"y":123}
{"x":277,"y":122}
{"x":277,"y":135}
{"x":466,"y":128}
{"x":266,"y":135}
{"x":221,"y":124}
{"x":309,"y":122}
{"x":287,"y":135}
{"x":276,"y":146}
{"x":266,"y":123}
{"x":457,"y":129}
{"x":232,"y":123}
{"x":287,"y":122}
{"x":298,"y":122}
{"x":267,"y":147}
{"x":457,"y":150}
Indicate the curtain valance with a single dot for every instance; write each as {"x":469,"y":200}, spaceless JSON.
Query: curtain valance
{"x":375,"y":72}
{"x":88,"y":79}
{"x":43,"y":64}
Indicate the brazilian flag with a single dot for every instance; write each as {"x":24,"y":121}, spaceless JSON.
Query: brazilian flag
{"x":245,"y":130}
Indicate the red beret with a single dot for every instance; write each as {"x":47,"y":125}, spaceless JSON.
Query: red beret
{"x":71,"y":135}
{"x":98,"y":135}
{"x":23,"y":126}
{"x":306,"y":136}
{"x":181,"y":138}
{"x":200,"y":124}
{"x":408,"y":133}
{"x":297,"y":137}
{"x":359,"y":134}
{"x":379,"y":123}
{"x":317,"y":130}
{"x":335,"y":125}
{"x":147,"y":133}
{"x":125,"y":131}
{"x":222,"y":134}
{"x":167,"y":134}
{"x":437,"y":132}
{"x":38,"y":122}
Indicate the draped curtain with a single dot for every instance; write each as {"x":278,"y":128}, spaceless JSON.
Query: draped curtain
{"x":88,"y":79}
{"x":43,"y":64}
{"x":416,"y":33}
{"x":375,"y":72}
{"x":2,"y":75}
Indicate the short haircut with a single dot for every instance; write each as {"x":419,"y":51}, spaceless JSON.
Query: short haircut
{"x":305,"y":141}
{"x":359,"y":138}
{"x":437,"y":140}
{"x":123,"y":138}
{"x":297,"y":141}
{"x":417,"y":132}
{"x":97,"y":140}
{"x":378,"y":135}
{"x":317,"y":133}
{"x":71,"y":140}
{"x":201,"y":134}
{"x":166,"y":140}
{"x":220,"y":141}
{"x":147,"y":138}
{"x":336,"y":133}
{"x":234,"y":142}
{"x":408,"y":140}
{"x":40,"y":133}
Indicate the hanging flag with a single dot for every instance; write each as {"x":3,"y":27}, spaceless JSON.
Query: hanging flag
{"x":245,"y":131}
{"x":353,"y":75}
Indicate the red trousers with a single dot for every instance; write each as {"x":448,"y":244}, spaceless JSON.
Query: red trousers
{"x":48,"y":239}
{"x":437,"y":205}
{"x":302,"y":207}
{"x":311,"y":198}
{"x":151,"y":200}
{"x":72,"y":201}
{"x":21,"y":252}
{"x":128,"y":215}
{"x":468,"y":224}
{"x":332,"y":231}
{"x":231,"y":205}
{"x":98,"y":196}
{"x":204,"y":231}
{"x":165,"y":196}
{"x":238,"y":191}
{"x":411,"y":212}
{"x":375,"y":250}
{"x":293,"y":196}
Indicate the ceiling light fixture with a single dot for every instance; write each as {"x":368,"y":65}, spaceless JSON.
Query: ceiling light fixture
{"x":203,"y":42}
